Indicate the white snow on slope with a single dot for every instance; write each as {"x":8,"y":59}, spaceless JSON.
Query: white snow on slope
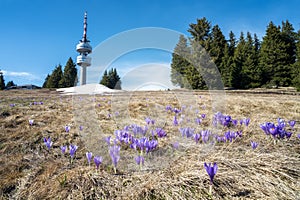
{"x":87,"y":89}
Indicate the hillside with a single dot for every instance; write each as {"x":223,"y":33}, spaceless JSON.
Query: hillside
{"x":172,"y":170}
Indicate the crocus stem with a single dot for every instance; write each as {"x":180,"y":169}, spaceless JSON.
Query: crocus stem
{"x":210,"y":189}
{"x":141,"y":161}
{"x":115,"y":170}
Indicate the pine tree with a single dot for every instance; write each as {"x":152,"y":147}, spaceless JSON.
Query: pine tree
{"x":179,"y":63}
{"x":296,"y":66}
{"x":111,"y":79}
{"x":250,"y":71}
{"x":217,"y":46}
{"x":2,"y":81}
{"x":55,"y":78}
{"x":277,"y":55}
{"x":105,"y":79}
{"x":201,"y":32}
{"x":232,"y":44}
{"x":226,"y":66}
{"x":69,"y":75}
{"x":45,"y":84}
{"x":238,"y":62}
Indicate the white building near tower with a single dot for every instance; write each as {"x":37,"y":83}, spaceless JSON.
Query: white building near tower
{"x":84,"y":49}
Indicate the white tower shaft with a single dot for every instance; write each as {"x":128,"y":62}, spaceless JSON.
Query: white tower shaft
{"x":84,"y":48}
{"x":83,"y":75}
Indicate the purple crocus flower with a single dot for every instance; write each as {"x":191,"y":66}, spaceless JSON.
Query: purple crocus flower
{"x":12,"y":105}
{"x":175,"y":121}
{"x":150,"y":121}
{"x":139,"y":160}
{"x":198,"y":121}
{"x":292,"y":123}
{"x":31,"y":122}
{"x":246,"y":121}
{"x":211,"y":171}
{"x":114,"y":152}
{"x":205,"y":135}
{"x":160,"y":133}
{"x":197,"y":137}
{"x":48,"y":142}
{"x":235,"y":122}
{"x":80,"y":128}
{"x":176,"y":110}
{"x":107,"y":139}
{"x":254,"y":145}
{"x":168,"y":108}
{"x":73,"y":149}
{"x":175,"y":145}
{"x":67,"y":129}
{"x":89,"y":156}
{"x":288,"y":134}
{"x":98,"y":161}
{"x":203,"y":116}
{"x":63,"y":149}
{"x":298,"y":136}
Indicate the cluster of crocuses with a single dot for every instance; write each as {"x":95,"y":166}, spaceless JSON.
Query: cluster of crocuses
{"x":97,"y":159}
{"x":278,"y":130}
{"x":72,"y":148}
{"x":207,"y":135}
{"x":37,"y":103}
{"x":227,"y":121}
{"x":135,"y":137}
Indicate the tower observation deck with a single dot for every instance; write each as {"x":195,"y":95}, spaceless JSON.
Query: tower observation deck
{"x":84,"y":48}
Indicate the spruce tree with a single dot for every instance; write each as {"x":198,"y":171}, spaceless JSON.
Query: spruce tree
{"x":250,"y":72}
{"x":55,"y":78}
{"x":201,"y":32}
{"x":179,"y":63}
{"x":45,"y":84}
{"x":111,"y":79}
{"x":296,"y":65}
{"x":277,"y":55}
{"x":217,"y":46}
{"x":69,"y":75}
{"x":105,"y":79}
{"x":238,"y":62}
{"x":226,"y":66}
{"x":2,"y":81}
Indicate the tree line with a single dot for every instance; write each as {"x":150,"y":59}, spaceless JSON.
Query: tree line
{"x":68,"y":77}
{"x":243,"y":63}
{"x":61,"y":79}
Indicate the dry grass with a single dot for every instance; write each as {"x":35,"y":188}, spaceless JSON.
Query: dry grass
{"x":29,"y":171}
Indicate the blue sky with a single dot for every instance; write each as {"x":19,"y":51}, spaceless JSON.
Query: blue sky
{"x":37,"y":35}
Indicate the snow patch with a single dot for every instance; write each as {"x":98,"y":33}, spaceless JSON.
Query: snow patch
{"x":87,"y":89}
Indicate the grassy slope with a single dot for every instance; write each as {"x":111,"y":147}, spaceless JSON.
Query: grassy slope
{"x":29,"y":171}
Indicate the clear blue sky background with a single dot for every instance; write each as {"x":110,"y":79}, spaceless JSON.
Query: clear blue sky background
{"x":37,"y":35}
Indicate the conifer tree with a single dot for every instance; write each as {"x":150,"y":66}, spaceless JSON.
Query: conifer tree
{"x":238,"y":62}
{"x":69,"y":75}
{"x":2,"y":81}
{"x":296,"y":66}
{"x":277,"y":55}
{"x":179,"y":63}
{"x":111,"y":79}
{"x":45,"y":84}
{"x":55,"y":77}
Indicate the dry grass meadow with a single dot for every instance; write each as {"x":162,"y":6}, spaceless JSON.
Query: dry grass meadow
{"x":29,"y":171}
